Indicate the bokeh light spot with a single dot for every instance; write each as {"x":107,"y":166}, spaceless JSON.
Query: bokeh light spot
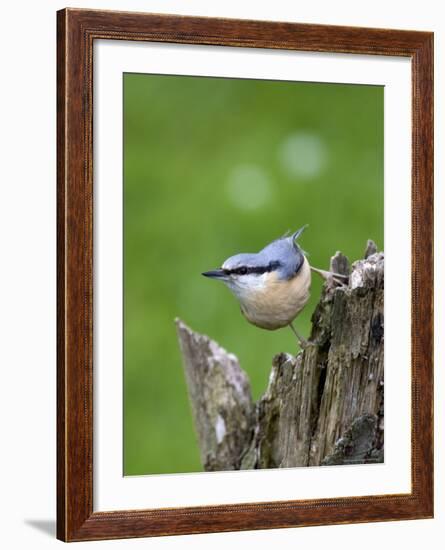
{"x":248,"y":187}
{"x":303,"y":155}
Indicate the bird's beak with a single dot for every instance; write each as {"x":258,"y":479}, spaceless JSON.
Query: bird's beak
{"x":216,"y":274}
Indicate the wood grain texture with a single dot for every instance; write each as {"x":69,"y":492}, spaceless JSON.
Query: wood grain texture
{"x":221,"y":400}
{"x":76,"y":32}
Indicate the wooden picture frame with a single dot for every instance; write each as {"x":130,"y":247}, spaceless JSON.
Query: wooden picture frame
{"x":76,"y":32}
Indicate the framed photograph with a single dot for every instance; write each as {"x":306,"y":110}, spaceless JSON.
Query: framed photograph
{"x":245,"y":231}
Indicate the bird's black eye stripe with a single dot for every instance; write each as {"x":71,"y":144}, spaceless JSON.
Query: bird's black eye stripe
{"x":258,"y":270}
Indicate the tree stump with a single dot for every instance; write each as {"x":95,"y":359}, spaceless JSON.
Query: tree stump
{"x":322,"y":407}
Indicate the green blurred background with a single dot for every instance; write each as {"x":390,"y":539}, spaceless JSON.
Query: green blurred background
{"x":213,"y":167}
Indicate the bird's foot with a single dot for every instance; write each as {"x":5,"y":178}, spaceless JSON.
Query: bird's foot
{"x":304,"y":344}
{"x":332,"y":278}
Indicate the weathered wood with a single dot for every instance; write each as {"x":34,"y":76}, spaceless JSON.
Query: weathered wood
{"x":322,"y":407}
{"x":221,"y":400}
{"x":371,"y":248}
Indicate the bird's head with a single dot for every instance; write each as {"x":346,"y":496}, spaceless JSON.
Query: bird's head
{"x":279,"y":261}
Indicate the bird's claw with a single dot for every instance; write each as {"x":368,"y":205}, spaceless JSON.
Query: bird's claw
{"x":332,"y":279}
{"x":305,"y":344}
{"x":337,"y":280}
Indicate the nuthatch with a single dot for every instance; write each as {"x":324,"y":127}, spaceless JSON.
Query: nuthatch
{"x":273,"y":285}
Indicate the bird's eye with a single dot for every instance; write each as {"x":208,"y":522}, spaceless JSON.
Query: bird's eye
{"x":242,"y":270}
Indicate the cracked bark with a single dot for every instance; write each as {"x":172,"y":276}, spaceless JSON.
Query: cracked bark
{"x":322,"y":407}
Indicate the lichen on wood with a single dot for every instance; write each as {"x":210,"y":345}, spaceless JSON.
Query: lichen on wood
{"x":322,"y":407}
